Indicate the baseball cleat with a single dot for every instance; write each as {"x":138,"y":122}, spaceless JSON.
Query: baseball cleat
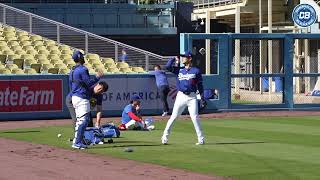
{"x":164,"y":114}
{"x":200,"y":143}
{"x":164,"y":141}
{"x":79,"y":146}
{"x":152,"y":127}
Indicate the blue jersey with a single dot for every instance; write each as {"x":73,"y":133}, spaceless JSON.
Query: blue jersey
{"x":188,"y":80}
{"x":161,"y":78}
{"x":80,"y":82}
{"x":98,"y":97}
{"x":125,"y":116}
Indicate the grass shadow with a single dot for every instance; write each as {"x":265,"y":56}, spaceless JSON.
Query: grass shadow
{"x":19,"y":132}
{"x":235,"y":143}
{"x":123,"y":146}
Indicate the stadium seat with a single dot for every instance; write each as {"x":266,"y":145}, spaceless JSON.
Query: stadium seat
{"x":30,"y":71}
{"x":98,"y":66}
{"x":40,"y":56}
{"x":28,"y":62}
{"x":2,"y":38}
{"x":54,"y":51}
{"x":36,"y":67}
{"x":53,"y":56}
{"x":68,"y":61}
{"x":37,"y":43}
{"x":17,"y":47}
{"x":122,"y":65}
{"x":23,"y":38}
{"x":107,"y":60}
{"x":40,"y":47}
{"x":138,"y":69}
{"x":46,"y":67}
{"x":9,"y":29}
{"x":3,"y":43}
{"x":25,"y":43}
{"x":5,"y":71}
{"x":11,"y":66}
{"x":36,"y":38}
{"x":49,"y":42}
{"x":113,"y":70}
{"x":64,"y":71}
{"x":45,"y":52}
{"x":92,"y":56}
{"x":125,"y":70}
{"x":2,"y":66}
{"x":92,"y":71}
{"x":65,"y":56}
{"x":61,"y":65}
{"x":11,"y":38}
{"x":67,"y":52}
{"x":3,"y":58}
{"x":32,"y":52}
{"x":89,"y":66}
{"x":64,"y":47}
{"x":8,"y":52}
{"x":22,"y":33}
{"x":53,"y":47}
{"x":19,"y":63}
{"x":110,"y":65}
{"x":20,"y":52}
{"x":53,"y":70}
{"x":4,"y":48}
{"x":27,"y":56}
{"x":17,"y":71}
{"x":13,"y":43}
{"x":105,"y":71}
{"x":56,"y":61}
{"x":11,"y":57}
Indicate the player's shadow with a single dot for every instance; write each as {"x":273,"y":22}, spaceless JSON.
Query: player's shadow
{"x":235,"y":143}
{"x":20,"y":132}
{"x":114,"y":145}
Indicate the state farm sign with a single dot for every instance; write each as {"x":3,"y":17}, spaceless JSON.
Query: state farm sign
{"x":30,"y":95}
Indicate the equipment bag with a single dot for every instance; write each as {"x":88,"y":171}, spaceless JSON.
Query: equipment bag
{"x":93,"y":135}
{"x":110,"y":131}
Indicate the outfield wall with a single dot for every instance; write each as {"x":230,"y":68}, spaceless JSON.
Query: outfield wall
{"x":43,"y":96}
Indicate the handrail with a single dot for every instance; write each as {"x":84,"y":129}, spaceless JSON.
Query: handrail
{"x":82,"y":31}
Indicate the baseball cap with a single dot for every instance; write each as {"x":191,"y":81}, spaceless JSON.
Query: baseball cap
{"x":186,"y":54}
{"x":77,"y":55}
{"x":135,"y":98}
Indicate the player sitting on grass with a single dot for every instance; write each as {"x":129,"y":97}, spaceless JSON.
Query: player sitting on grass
{"x":131,"y":118}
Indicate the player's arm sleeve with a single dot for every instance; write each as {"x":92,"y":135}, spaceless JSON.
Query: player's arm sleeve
{"x":87,"y":80}
{"x":133,"y":116}
{"x":170,"y":66}
{"x":200,"y":84}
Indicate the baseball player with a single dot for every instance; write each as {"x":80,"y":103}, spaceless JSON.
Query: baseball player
{"x":163,"y":87}
{"x":80,"y":83}
{"x":95,"y":102}
{"x":189,"y":81}
{"x":131,"y":118}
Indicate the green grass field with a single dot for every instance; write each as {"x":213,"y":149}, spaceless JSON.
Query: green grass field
{"x":245,"y":148}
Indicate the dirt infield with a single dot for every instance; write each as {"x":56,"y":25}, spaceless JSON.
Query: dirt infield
{"x":23,"y":160}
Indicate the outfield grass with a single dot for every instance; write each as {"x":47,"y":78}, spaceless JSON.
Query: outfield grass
{"x":245,"y":149}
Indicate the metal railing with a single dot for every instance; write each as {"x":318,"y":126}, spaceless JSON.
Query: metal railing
{"x":214,"y":3}
{"x":89,"y":42}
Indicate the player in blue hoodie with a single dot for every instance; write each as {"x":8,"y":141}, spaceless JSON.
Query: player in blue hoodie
{"x":80,"y":83}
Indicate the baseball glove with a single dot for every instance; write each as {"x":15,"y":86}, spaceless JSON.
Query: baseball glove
{"x":203,"y":104}
{"x":93,"y":102}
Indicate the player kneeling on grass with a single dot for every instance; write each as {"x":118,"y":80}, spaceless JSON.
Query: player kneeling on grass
{"x":131,"y":118}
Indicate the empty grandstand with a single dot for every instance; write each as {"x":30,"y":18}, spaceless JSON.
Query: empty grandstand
{"x":30,"y":44}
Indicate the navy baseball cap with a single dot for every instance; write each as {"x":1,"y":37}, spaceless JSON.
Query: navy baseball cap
{"x":186,"y":54}
{"x":77,"y":55}
{"x":135,"y":98}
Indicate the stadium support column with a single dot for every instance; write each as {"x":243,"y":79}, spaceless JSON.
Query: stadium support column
{"x":262,"y":48}
{"x":307,"y":64}
{"x":237,"y":52}
{"x":208,"y":46}
{"x":270,"y":45}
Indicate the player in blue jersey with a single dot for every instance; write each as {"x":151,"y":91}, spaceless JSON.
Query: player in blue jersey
{"x":80,"y":83}
{"x":163,"y":87}
{"x":189,"y":81}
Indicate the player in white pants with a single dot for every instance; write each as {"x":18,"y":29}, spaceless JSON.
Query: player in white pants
{"x":189,"y":81}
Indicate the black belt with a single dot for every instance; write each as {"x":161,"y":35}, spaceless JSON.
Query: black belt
{"x":187,"y":93}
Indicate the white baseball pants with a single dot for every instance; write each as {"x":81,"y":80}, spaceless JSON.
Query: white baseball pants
{"x":82,"y":108}
{"x":183,"y":101}
{"x":133,"y":124}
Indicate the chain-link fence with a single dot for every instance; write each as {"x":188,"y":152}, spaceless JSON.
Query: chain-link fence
{"x":253,"y":57}
{"x":77,"y":38}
